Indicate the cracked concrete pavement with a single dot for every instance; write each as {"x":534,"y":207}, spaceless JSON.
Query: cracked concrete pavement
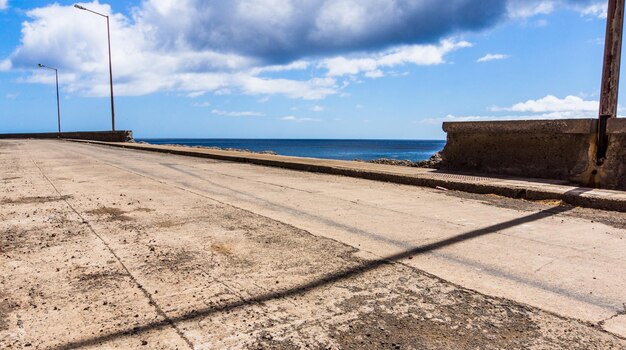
{"x":113,"y":248}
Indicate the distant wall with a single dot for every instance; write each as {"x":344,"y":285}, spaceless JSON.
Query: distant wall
{"x":555,"y":149}
{"x":106,"y":136}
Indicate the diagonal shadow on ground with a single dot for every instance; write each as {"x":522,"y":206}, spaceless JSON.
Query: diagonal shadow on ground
{"x":323,"y":281}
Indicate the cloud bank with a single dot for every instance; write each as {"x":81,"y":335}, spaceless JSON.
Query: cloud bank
{"x":424,"y":55}
{"x":553,"y":104}
{"x":529,"y":8}
{"x":237,"y":114}
{"x":284,"y":30}
{"x":251,"y":46}
{"x":548,"y":107}
{"x":492,"y":57}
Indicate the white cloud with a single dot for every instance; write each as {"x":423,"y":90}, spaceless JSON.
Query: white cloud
{"x":237,"y":114}
{"x":492,"y":57}
{"x":4,"y":4}
{"x":195,"y":94}
{"x":142,"y":63}
{"x":530,"y":8}
{"x":197,"y":47}
{"x":71,"y":40}
{"x":286,"y":30}
{"x":291,"y":118}
{"x":317,"y":108}
{"x":374,"y":74}
{"x":371,"y":65}
{"x":223,"y":91}
{"x":542,"y":116}
{"x":552,"y":104}
{"x":549,"y":107}
{"x":201,"y":104}
{"x":5,"y":65}
{"x":297,"y":65}
{"x":313,"y":89}
{"x":12,"y":96}
{"x":595,"y":10}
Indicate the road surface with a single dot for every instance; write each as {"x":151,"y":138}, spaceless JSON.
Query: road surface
{"x":114,"y":248}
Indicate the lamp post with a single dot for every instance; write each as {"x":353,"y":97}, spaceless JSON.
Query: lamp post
{"x":56,"y":74}
{"x":110,"y":66}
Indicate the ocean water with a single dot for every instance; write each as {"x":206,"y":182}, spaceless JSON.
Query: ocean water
{"x":414,"y":150}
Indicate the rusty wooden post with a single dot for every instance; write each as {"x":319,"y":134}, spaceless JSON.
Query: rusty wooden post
{"x":610,"y":73}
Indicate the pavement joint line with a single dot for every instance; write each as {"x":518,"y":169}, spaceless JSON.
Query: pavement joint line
{"x":520,"y":188}
{"x":146,"y":293}
{"x":619,"y":313}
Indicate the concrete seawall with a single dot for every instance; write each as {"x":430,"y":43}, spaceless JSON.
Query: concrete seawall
{"x":549,"y":149}
{"x":105,"y":136}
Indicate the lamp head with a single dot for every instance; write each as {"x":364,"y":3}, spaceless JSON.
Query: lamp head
{"x":79,"y":7}
{"x":40,"y":65}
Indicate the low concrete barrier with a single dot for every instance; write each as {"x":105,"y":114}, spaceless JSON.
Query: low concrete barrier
{"x":105,"y":136}
{"x":553,"y":149}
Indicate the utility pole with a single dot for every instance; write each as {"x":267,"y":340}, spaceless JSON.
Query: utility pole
{"x":610,"y":73}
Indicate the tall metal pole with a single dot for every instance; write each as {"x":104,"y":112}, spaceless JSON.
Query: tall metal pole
{"x":610,"y":73}
{"x":111,"y":77}
{"x":110,"y":65}
{"x":56,"y":73}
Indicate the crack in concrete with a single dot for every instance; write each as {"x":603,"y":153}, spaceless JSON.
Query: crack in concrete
{"x":619,"y":313}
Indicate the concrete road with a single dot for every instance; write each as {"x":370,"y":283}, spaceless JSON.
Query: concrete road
{"x":106,"y":247}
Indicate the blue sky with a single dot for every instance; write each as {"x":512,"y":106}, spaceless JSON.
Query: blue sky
{"x":299,"y":68}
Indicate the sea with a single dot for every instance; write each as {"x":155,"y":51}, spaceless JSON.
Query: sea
{"x":413,"y":150}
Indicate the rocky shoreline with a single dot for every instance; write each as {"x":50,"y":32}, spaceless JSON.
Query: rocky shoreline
{"x":432,"y":163}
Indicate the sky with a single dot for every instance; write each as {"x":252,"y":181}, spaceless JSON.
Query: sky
{"x":336,"y":69}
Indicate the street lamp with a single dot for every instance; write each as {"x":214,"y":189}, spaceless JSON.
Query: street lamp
{"x":110,"y":69}
{"x":56,"y":74}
